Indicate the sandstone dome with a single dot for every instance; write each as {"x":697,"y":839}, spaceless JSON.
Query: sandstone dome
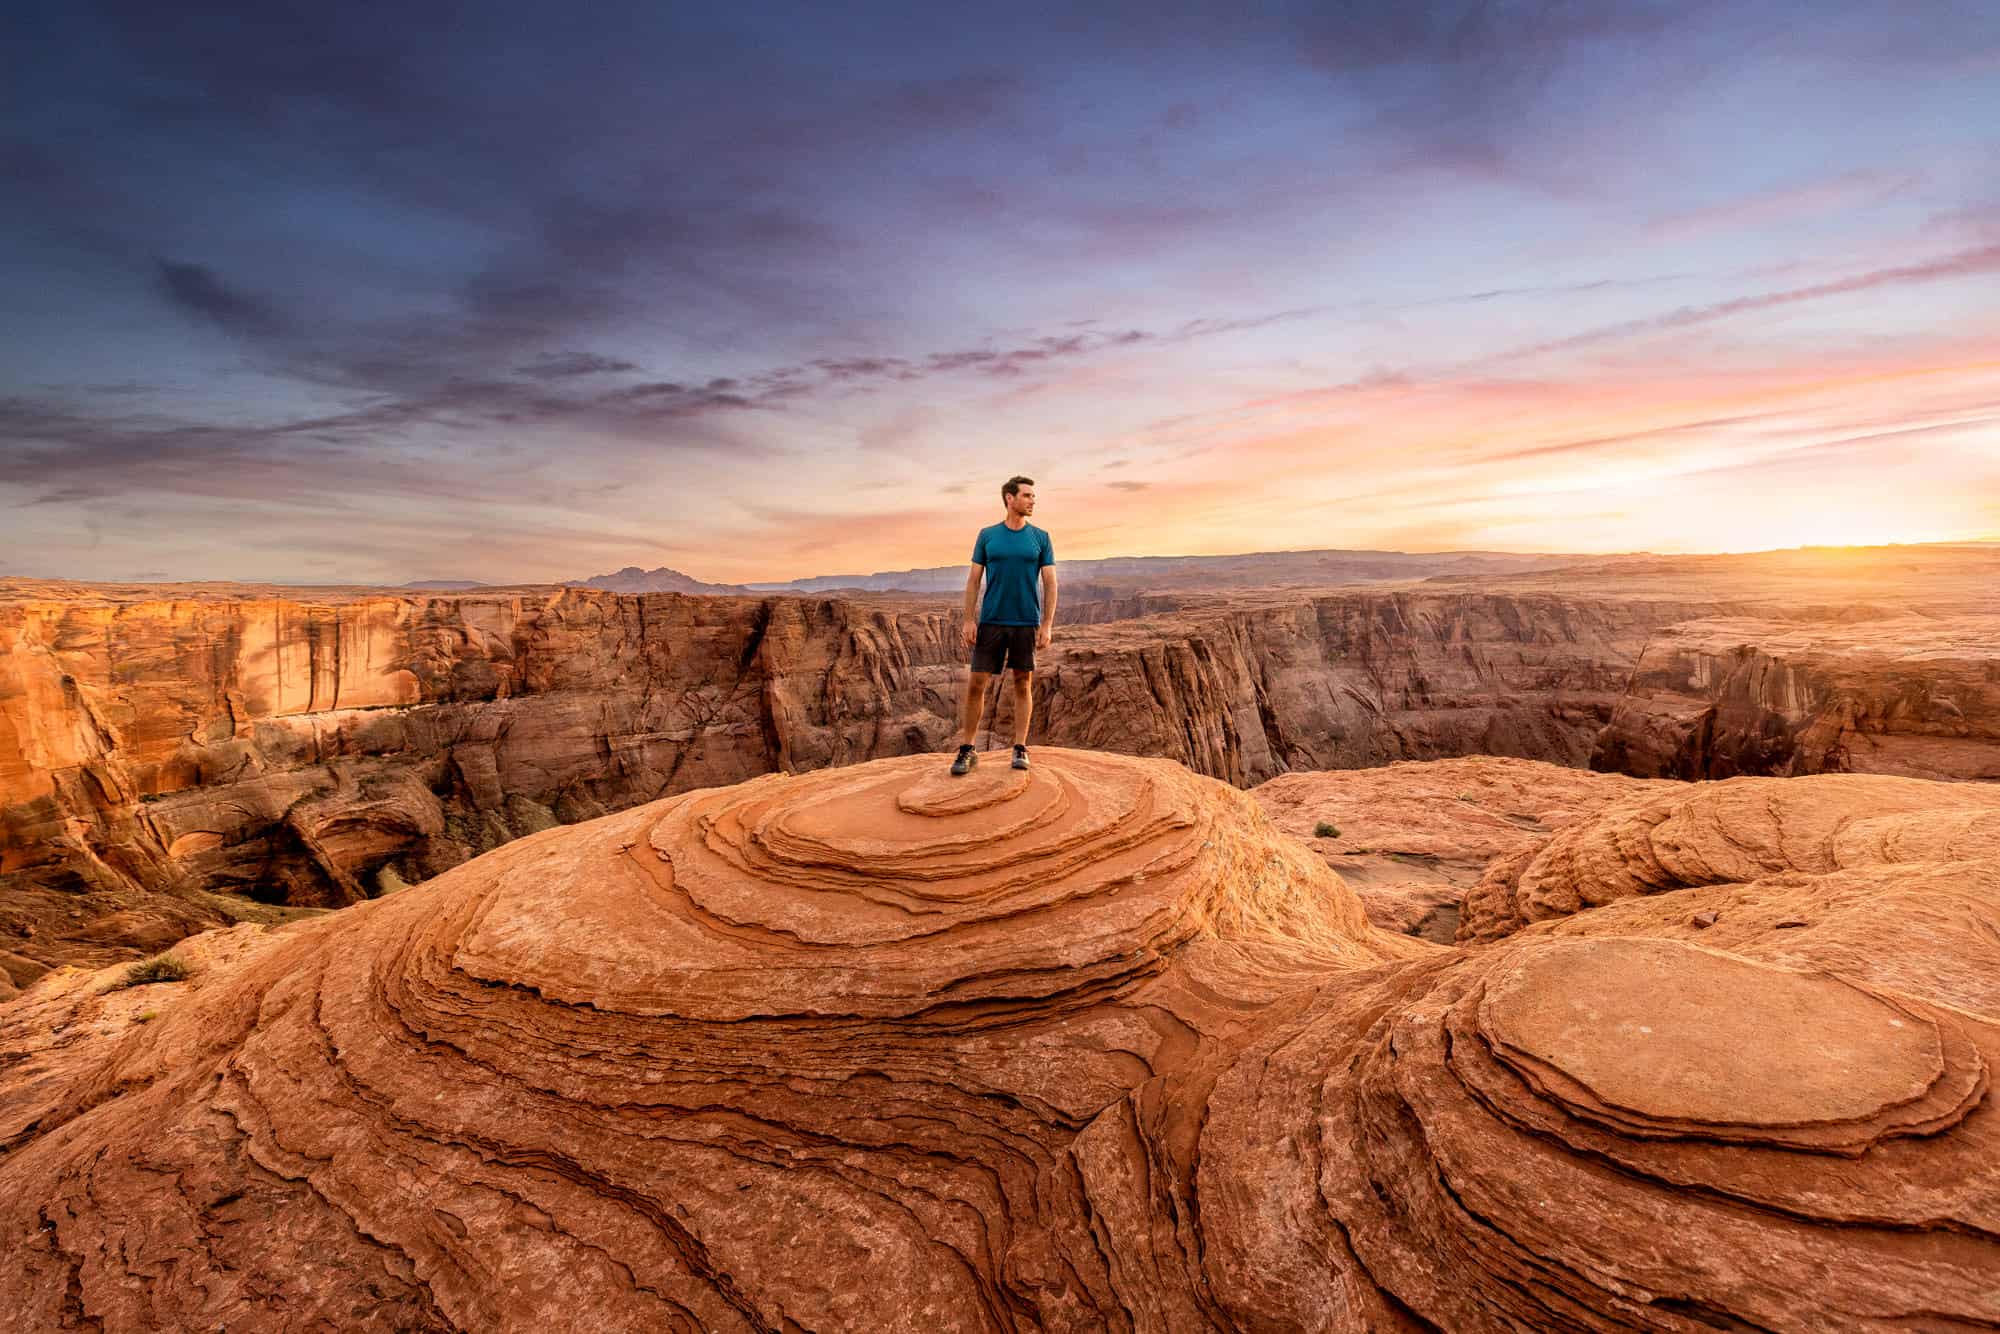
{"x":1088,"y":1047}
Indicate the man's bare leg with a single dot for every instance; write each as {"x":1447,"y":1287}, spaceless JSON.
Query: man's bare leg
{"x":974,"y":705}
{"x":1024,"y":705}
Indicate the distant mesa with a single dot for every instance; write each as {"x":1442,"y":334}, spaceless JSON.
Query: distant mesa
{"x":1088,"y":1047}
{"x":632,"y":579}
{"x":449,"y":585}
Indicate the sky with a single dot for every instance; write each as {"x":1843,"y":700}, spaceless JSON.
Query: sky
{"x":373,"y":292}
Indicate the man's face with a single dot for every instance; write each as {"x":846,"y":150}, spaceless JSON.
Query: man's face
{"x":1022,"y":502}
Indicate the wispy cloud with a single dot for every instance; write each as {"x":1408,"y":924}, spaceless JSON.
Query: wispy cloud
{"x":196,"y":289}
{"x":565,"y":365}
{"x":1966,"y":263}
{"x":1814,"y":199}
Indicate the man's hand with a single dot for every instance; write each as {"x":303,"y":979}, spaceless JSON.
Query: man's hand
{"x":1043,"y":635}
{"x":970,"y":634}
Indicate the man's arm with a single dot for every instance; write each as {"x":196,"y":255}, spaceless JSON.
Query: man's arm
{"x":1047,"y":632}
{"x":971,"y":630}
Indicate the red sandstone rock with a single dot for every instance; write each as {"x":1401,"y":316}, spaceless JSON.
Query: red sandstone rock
{"x":1737,"y":831}
{"x":1918,"y":696}
{"x":1416,"y":835}
{"x":1090,"y":1047}
{"x":154,"y":744}
{"x":320,"y":748}
{"x":288,"y":750}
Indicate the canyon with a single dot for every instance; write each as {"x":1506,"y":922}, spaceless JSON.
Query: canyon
{"x":175,"y":758}
{"x":1909,"y":695}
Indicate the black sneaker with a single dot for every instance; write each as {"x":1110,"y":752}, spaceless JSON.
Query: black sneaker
{"x":967,"y":757}
{"x":1020,"y":757}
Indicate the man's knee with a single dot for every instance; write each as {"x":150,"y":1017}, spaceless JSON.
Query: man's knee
{"x":1023,"y":680}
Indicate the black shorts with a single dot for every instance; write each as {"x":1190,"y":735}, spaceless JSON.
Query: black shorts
{"x":1005,"y":646}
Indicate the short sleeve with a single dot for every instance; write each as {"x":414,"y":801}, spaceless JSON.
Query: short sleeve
{"x":1048,"y":550}
{"x":979,"y":548}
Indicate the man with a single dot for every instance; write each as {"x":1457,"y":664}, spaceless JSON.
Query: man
{"x":1018,"y":563}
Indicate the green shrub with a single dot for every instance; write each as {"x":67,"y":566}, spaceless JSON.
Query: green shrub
{"x":1325,"y":829}
{"x":159,"y":968}
{"x":528,"y":816}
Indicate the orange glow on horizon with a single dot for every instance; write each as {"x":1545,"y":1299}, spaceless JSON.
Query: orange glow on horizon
{"x":1841,"y":455}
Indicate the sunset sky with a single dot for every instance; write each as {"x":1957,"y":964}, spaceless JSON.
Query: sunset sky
{"x":371,"y":292}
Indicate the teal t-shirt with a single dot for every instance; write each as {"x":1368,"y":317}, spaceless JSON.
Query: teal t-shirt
{"x":1013,"y":562}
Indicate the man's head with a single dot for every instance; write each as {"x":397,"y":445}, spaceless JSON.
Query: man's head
{"x":1018,"y":494}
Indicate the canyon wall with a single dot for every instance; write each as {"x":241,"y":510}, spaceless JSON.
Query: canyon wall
{"x":1909,"y":695}
{"x":289,"y":748}
{"x":1253,"y":688}
{"x":292,"y":747}
{"x":165,"y":760}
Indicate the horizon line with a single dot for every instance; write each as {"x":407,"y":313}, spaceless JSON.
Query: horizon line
{"x":774,"y":585}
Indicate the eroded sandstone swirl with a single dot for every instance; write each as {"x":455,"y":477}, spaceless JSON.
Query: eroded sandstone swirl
{"x":1089,"y":1047}
{"x":1733,"y":832}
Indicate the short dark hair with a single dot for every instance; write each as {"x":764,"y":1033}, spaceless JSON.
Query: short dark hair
{"x":1014,"y":484}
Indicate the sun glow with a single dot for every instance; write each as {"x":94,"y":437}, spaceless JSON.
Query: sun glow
{"x":1814,"y":533}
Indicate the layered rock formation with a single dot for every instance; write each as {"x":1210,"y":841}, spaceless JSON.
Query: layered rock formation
{"x":314,"y":753}
{"x":1254,"y":687}
{"x":1742,"y":831}
{"x":1901,"y":695}
{"x":158,"y":747}
{"x":1091,"y":1047}
{"x":291,"y":751}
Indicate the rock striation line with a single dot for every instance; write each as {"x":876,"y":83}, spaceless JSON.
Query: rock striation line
{"x":1736,"y":831}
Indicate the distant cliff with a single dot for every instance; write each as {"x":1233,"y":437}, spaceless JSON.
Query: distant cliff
{"x":1918,"y":696}
{"x":1350,"y":679}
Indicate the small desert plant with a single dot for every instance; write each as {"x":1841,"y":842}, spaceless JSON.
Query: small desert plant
{"x":1325,"y":829}
{"x":1467,"y":796}
{"x":159,"y":968}
{"x":1360,"y":852}
{"x":146,"y":1018}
